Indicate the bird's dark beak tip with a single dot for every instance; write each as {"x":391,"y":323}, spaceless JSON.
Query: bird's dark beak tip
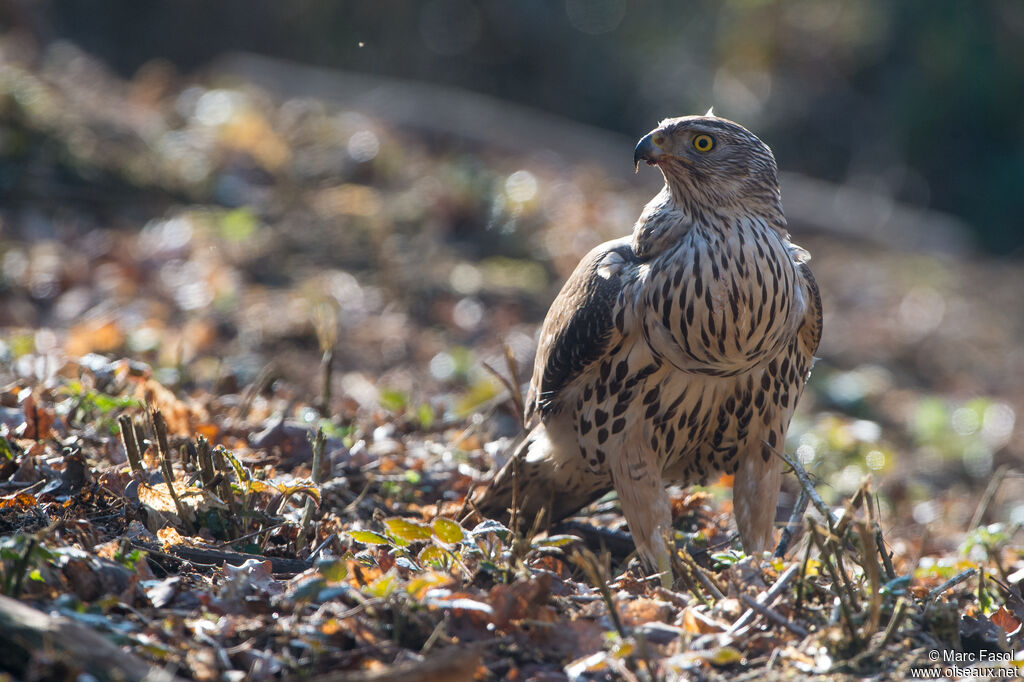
{"x":645,"y":151}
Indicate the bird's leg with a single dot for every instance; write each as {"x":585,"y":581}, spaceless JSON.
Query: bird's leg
{"x":755,"y":494}
{"x":648,"y":511}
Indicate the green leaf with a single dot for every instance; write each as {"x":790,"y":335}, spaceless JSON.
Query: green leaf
{"x":308,"y":589}
{"x":368,"y":537}
{"x":238,"y":225}
{"x":419,"y":585}
{"x":479,"y":392}
{"x":241,"y":472}
{"x":425,"y":415}
{"x":726,"y":655}
{"x":307,"y":488}
{"x":407,"y":530}
{"x":434,"y":555}
{"x":383,"y":586}
{"x":333,"y":570}
{"x":728,"y":558}
{"x":448,"y":531}
{"x":557,"y":541}
{"x":392,"y":400}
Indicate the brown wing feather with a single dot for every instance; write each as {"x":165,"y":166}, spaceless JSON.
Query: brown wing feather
{"x":810,"y":329}
{"x":580,"y":326}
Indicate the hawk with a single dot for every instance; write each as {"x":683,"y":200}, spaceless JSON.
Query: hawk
{"x":674,"y":354}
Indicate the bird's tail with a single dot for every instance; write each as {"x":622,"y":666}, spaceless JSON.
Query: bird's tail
{"x":534,"y":481}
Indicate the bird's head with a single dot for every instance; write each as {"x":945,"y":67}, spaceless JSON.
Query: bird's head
{"x":710,"y":160}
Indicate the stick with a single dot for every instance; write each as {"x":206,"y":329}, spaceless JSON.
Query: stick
{"x":870,"y":554}
{"x":773,"y":616}
{"x":319,"y":441}
{"x":765,"y":598}
{"x":131,"y":445}
{"x":160,"y":428}
{"x":807,"y":484}
{"x":951,"y":583}
{"x":791,"y":526}
{"x":838,"y":586}
{"x":990,"y":492}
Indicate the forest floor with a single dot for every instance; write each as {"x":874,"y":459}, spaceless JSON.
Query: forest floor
{"x":197,"y":279}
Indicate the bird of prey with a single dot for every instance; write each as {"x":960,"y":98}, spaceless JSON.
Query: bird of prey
{"x":674,"y":354}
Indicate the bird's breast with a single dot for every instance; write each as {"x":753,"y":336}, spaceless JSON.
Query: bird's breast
{"x":721,"y":300}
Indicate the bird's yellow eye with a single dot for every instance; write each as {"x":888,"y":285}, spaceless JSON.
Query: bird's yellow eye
{"x":703,"y":143}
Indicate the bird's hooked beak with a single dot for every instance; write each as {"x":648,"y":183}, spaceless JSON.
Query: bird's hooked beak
{"x":647,"y":150}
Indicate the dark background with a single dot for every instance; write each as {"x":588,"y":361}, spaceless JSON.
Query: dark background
{"x":917,"y":100}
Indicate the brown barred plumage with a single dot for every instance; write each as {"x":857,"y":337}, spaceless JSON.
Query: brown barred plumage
{"x":677,"y":353}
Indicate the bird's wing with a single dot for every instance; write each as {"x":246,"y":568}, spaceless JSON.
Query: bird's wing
{"x":809,"y":332}
{"x":580,"y":326}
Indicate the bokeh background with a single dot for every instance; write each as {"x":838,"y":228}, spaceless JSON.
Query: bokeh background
{"x":916,"y":100}
{"x":221,"y":188}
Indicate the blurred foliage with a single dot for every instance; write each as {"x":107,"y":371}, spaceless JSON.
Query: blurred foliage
{"x":916,"y":99}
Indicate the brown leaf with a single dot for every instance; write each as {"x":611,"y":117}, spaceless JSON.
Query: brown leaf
{"x":519,"y":600}
{"x":38,"y":420}
{"x":179,"y":415}
{"x":1006,"y":620}
{"x":100,"y":335}
{"x":642,"y":610}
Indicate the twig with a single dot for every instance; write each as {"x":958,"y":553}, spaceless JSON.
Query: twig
{"x":207,"y":472}
{"x":982,"y":599}
{"x":839,"y":531}
{"x":226,"y":492}
{"x":319,"y":441}
{"x":513,"y":371}
{"x":765,"y":598}
{"x":160,"y":429}
{"x":990,"y":492}
{"x":214,"y":558}
{"x":838,"y":586}
{"x":807,"y":484}
{"x":131,"y":446}
{"x":586,"y":560}
{"x":326,"y":371}
{"x":512,"y":386}
{"x":682,"y":572}
{"x":803,"y":577}
{"x":228,"y":543}
{"x":211,"y":479}
{"x":252,"y":390}
{"x":688,"y":561}
{"x":890,"y":572}
{"x":869,"y":555}
{"x":799,"y":509}
{"x":773,"y":615}
{"x":18,"y":574}
{"x":951,"y":583}
{"x":829,"y":540}
{"x":899,"y":612}
{"x":514,"y":515}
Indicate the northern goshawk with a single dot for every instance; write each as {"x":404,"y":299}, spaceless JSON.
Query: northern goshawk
{"x":676,"y":353}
